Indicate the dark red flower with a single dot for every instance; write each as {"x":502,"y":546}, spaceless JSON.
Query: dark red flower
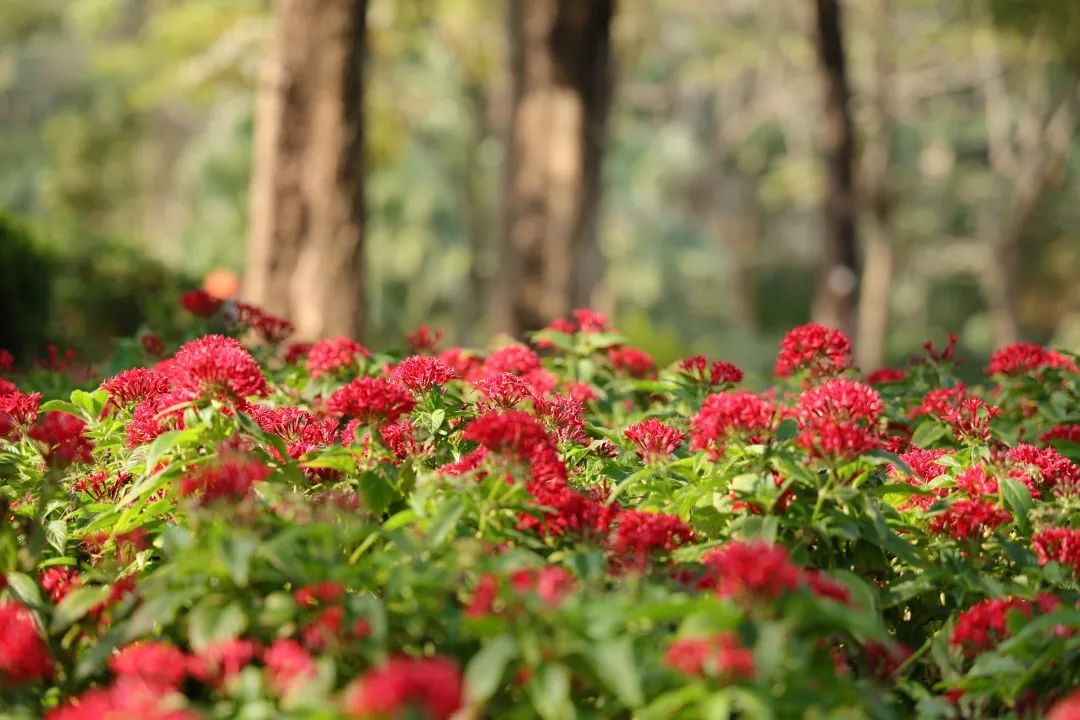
{"x":749,"y":570}
{"x":135,"y":385}
{"x":984,"y":624}
{"x":152,"y":344}
{"x":200,"y":302}
{"x":885,"y":375}
{"x":18,"y":410}
{"x":431,"y":687}
{"x":1060,"y":545}
{"x":483,"y":599}
{"x":371,"y":400}
{"x":815,"y":350}
{"x":838,"y":419}
{"x":332,"y":354}
{"x":271,"y":329}
{"x":967,"y":518}
{"x":62,"y":436}
{"x":7,"y":361}
{"x":634,"y":362}
{"x":215,"y":367}
{"x":1028,"y":359}
{"x":231,"y":479}
{"x":654,"y":440}
{"x":640,"y":533}
{"x":729,"y":416}
{"x":422,"y":372}
{"x":423,"y":340}
{"x":58,"y":582}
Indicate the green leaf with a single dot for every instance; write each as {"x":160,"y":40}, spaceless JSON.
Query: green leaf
{"x":25,"y":589}
{"x":377,"y":491}
{"x":549,"y":691}
{"x":1017,"y":498}
{"x":56,"y":533}
{"x":237,"y":553}
{"x":210,"y":620}
{"x":485,"y":670}
{"x":445,"y":521}
{"x":786,"y":430}
{"x":927,"y":433}
{"x":614,"y":663}
{"x":76,"y":604}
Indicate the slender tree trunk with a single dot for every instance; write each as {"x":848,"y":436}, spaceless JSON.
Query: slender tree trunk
{"x":875,"y":288}
{"x":562,"y":79}
{"x":306,"y":237}
{"x":835,"y":302}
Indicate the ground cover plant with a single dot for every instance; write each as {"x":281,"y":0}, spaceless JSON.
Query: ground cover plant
{"x":235,"y":526}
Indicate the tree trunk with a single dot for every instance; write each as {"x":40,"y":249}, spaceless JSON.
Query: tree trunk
{"x":875,"y":288}
{"x":562,"y":79}
{"x":305,"y":241}
{"x":835,"y":302}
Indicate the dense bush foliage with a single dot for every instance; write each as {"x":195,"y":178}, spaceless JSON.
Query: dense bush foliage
{"x":270,"y":530}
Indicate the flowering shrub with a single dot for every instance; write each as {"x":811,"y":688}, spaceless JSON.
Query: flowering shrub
{"x":559,"y":530}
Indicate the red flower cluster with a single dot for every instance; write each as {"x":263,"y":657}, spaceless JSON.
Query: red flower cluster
{"x":1043,"y":468}
{"x":128,"y":697}
{"x":1061,"y":545}
{"x":271,"y":329}
{"x":971,"y":419}
{"x":969,"y":517}
{"x":23,"y":655}
{"x":640,"y":533}
{"x":814,"y":350}
{"x":985,"y":624}
{"x":924,"y":464}
{"x":230,"y":479}
{"x":62,"y":436}
{"x":515,"y":359}
{"x":7,"y":361}
{"x":371,"y":400}
{"x":885,"y":375}
{"x":727,"y":417}
{"x":1070,"y":433}
{"x":215,"y":367}
{"x":302,"y":431}
{"x":287,"y":665}
{"x":634,"y":362}
{"x":423,"y":339}
{"x":17,"y":410}
{"x":58,"y":582}
{"x":720,"y":373}
{"x":654,"y":440}
{"x":422,"y":372}
{"x":837,"y":419}
{"x":1028,"y":359}
{"x":332,"y":354}
{"x":200,"y":303}
{"x":430,"y":687}
{"x":135,"y":385}
{"x":718,"y":656}
{"x":751,"y":570}
{"x":157,"y":664}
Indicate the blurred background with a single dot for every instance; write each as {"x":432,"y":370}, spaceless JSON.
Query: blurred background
{"x":709,"y":174}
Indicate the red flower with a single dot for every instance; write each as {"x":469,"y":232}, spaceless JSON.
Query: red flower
{"x":431,"y":687}
{"x":1061,"y":545}
{"x":562,"y":510}
{"x":152,"y":344}
{"x":287,"y":663}
{"x":640,"y":533}
{"x":1042,"y":467}
{"x":17,"y":410}
{"x":126,"y":698}
{"x":222,"y":659}
{"x":939,"y":401}
{"x":563,"y":415}
{"x":1070,"y":433}
{"x":654,"y":439}
{"x":729,"y":416}
{"x":319,"y":593}
{"x":297,"y":351}
{"x":231,"y":478}
{"x":636,"y":363}
{"x":58,"y":582}
{"x":968,"y":518}
{"x":1028,"y":359}
{"x":215,"y":367}
{"x":327,"y":356}
{"x":985,"y":624}
{"x":423,"y":339}
{"x":503,"y":389}
{"x":135,"y":385}
{"x":885,"y":375}
{"x":971,"y":419}
{"x":1067,"y":708}
{"x":815,"y":350}
{"x":7,"y":361}
{"x":271,"y":329}
{"x":483,"y":599}
{"x":925,"y":466}
{"x":720,"y":656}
{"x":721,"y":373}
{"x":371,"y":400}
{"x":200,"y":302}
{"x":399,"y":438}
{"x":748,"y":570}
{"x":23,"y":655}
{"x":824,"y":586}
{"x":837,"y":419}
{"x":62,"y":435}
{"x":155,"y":663}
{"x":513,"y":431}
{"x":421,"y":372}
{"x":514,"y":359}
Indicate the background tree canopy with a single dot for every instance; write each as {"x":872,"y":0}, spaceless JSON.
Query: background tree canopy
{"x":128,"y":132}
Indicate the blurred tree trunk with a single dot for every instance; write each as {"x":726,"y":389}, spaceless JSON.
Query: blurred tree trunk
{"x":562,"y":74}
{"x":306,"y":234}
{"x":835,"y":301}
{"x":876,"y":284}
